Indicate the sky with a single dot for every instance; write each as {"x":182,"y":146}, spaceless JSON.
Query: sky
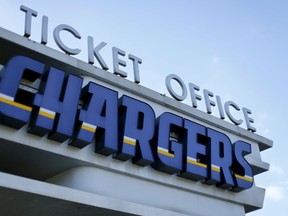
{"x":235,"y":49}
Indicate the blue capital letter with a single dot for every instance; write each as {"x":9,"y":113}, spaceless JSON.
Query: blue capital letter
{"x":221,"y":160}
{"x":242,"y":170}
{"x":15,"y":104}
{"x":57,"y":104}
{"x":98,"y":116}
{"x":138,"y":124}
{"x":197,"y":159}
{"x":169,"y":150}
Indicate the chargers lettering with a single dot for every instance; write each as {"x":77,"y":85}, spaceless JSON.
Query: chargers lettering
{"x":122,"y":126}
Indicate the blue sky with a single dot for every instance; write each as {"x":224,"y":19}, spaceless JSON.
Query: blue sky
{"x":236,"y":49}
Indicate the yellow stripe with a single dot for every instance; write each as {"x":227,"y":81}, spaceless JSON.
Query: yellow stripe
{"x":46,"y":114}
{"x":85,"y":127}
{"x":216,"y":169}
{"x":244,"y":178}
{"x":130,"y":142}
{"x":196,"y":163}
{"x":13,"y":103}
{"x":160,"y":151}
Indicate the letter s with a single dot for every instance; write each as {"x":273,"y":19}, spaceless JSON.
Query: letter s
{"x":243,"y":173}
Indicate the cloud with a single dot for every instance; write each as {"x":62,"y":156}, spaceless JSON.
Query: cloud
{"x":277,"y":169}
{"x":215,"y":60}
{"x":285,"y":184}
{"x":276,"y":193}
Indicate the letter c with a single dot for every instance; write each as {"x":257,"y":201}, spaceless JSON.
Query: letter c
{"x":60,"y":44}
{"x":227,"y":110}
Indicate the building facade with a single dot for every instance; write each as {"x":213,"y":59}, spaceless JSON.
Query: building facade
{"x":48,"y":170}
